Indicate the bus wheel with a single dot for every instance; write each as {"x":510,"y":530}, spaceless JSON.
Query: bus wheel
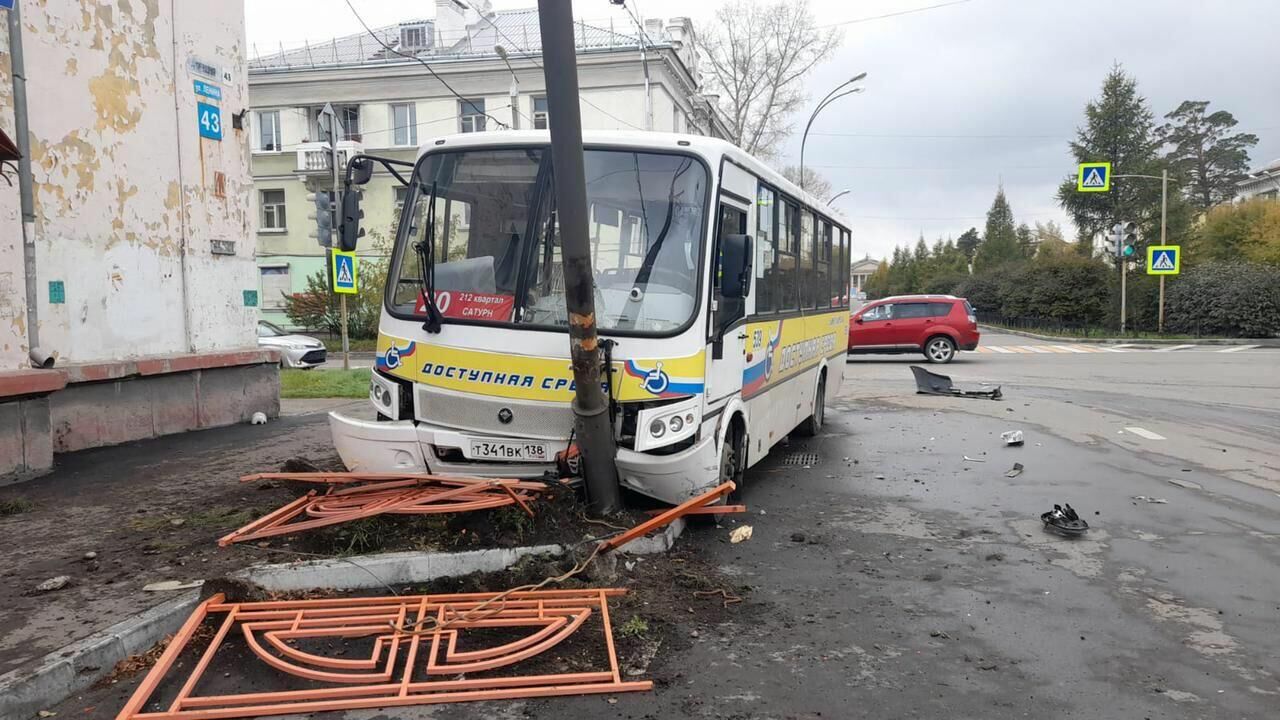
{"x":813,"y":424}
{"x":731,"y":461}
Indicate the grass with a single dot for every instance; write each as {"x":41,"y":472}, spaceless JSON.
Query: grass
{"x":14,"y":506}
{"x":214,"y":517}
{"x":324,"y":383}
{"x":1100,"y":333}
{"x":334,"y":345}
{"x":635,"y":627}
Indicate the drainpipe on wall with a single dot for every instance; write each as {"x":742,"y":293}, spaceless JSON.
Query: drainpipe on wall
{"x":39,"y":358}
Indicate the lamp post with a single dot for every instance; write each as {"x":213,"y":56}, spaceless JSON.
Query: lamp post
{"x":830,"y":98}
{"x":514,"y":91}
{"x":837,"y":196}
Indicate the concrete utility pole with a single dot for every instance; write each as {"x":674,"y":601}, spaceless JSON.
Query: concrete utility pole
{"x":590,"y":406}
{"x":1164,"y":223}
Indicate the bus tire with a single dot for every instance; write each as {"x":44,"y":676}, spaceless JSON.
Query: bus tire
{"x":731,"y":457}
{"x":812,"y":425}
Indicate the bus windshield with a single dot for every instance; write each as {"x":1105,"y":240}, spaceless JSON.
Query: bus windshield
{"x":481,"y":231}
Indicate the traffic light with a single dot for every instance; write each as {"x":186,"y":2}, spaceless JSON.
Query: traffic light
{"x":1128,"y":239}
{"x":323,"y":215}
{"x":350,"y":232}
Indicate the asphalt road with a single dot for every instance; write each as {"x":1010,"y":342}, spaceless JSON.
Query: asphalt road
{"x":895,"y":579}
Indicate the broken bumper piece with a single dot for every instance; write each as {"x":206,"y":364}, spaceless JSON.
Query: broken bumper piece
{"x":931,"y":383}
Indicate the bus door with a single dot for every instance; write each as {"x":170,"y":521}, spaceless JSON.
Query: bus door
{"x":726,"y":356}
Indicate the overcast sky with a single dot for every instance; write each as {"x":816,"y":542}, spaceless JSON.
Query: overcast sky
{"x":959,"y":98}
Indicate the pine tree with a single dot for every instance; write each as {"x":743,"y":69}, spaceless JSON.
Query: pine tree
{"x":1204,"y":159}
{"x":968,"y":243}
{"x":1000,"y":243}
{"x":1026,"y":241}
{"x":1119,"y":128}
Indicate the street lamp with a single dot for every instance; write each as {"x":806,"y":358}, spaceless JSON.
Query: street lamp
{"x":830,"y":98}
{"x":837,"y":196}
{"x":514,"y":92}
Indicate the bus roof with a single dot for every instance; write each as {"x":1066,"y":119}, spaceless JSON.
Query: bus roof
{"x":712,"y":149}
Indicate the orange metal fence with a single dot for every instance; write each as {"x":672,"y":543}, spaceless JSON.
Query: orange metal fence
{"x":465,"y":653}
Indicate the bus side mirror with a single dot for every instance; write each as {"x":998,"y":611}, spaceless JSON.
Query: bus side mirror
{"x":736,"y":255}
{"x":349,"y":231}
{"x":360,"y":170}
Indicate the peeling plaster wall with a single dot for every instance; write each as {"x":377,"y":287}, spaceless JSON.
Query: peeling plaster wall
{"x":126,"y":191}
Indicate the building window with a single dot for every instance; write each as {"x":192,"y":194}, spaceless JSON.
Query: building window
{"x":413,"y":37}
{"x":540,"y":113}
{"x":401,"y":193}
{"x":269,"y":131}
{"x":275,"y":286}
{"x":271,"y":203}
{"x":473,"y":117}
{"x":404,"y":123}
{"x":349,"y":118}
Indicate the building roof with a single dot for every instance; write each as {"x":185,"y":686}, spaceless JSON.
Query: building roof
{"x":517,"y":31}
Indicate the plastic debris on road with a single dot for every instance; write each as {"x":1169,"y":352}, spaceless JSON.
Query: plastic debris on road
{"x":1156,"y":500}
{"x":1014,"y":471}
{"x":1012,"y":438}
{"x":1063,"y":519}
{"x":931,"y":383}
{"x":741,"y":533}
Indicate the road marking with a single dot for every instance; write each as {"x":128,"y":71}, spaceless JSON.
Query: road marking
{"x":1088,"y":348}
{"x":1123,"y":345}
{"x":1057,"y":348}
{"x":1035,"y":349}
{"x":1145,"y":433}
{"x":1238,"y":348}
{"x":1071,"y":348}
{"x":1175,"y":347}
{"x":1001,"y":350}
{"x":984,"y":349}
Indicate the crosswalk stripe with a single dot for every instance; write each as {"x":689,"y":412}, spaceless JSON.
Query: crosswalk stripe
{"x":1035,"y":348}
{"x":1238,"y":348}
{"x":1056,"y":349}
{"x":1071,"y":348}
{"x":1175,"y":348}
{"x":1087,"y":348}
{"x":984,"y":349}
{"x":1113,"y":349}
{"x":1001,"y":349}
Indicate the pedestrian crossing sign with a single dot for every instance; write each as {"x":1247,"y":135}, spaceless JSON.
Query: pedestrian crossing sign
{"x":1164,"y":259}
{"x":344,"y":272}
{"x":1094,"y":177}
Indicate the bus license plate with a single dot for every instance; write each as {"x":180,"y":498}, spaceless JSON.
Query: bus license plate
{"x":505,"y":450}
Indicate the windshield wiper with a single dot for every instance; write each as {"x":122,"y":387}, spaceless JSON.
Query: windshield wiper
{"x":426,"y":250}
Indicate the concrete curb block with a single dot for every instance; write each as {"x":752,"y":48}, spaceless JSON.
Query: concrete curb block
{"x":1262,"y":342}
{"x":64,"y":672}
{"x":402,"y":568}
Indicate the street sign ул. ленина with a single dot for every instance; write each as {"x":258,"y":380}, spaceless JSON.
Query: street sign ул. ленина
{"x":1093,"y":177}
{"x":344,"y":272}
{"x":1164,"y":259}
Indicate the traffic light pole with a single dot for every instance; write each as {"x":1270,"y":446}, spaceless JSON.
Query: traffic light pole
{"x":337,"y":203}
{"x":590,"y":407}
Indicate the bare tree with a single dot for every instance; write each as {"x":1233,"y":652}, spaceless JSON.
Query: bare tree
{"x":758,"y":54}
{"x":815,"y":183}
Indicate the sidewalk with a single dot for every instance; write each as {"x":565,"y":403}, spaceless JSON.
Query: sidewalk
{"x":1261,"y":342}
{"x":148,"y":511}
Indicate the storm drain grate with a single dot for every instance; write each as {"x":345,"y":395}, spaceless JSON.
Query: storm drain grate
{"x":801,"y":458}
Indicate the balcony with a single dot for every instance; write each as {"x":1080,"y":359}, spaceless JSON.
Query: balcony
{"x":314,"y":157}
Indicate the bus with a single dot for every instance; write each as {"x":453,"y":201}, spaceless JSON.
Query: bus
{"x":721,"y":299}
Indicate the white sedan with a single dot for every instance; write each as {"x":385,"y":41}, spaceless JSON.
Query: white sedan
{"x":296,"y":351}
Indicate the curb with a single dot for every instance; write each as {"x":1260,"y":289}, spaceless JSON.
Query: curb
{"x":64,"y":672}
{"x":1261,"y":342}
{"x":70,"y":669}
{"x":404,"y":568}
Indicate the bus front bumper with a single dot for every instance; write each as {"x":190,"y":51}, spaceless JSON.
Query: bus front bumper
{"x":406,"y":446}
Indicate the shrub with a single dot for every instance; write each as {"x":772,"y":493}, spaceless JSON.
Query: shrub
{"x":1236,"y":299}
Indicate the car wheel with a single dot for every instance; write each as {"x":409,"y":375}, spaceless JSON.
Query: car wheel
{"x":940,"y":350}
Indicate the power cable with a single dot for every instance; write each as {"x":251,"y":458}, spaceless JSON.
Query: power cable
{"x":855,"y":21}
{"x":422,"y":62}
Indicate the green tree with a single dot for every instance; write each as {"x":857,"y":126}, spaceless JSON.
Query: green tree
{"x":968,"y":243}
{"x":1027,"y":240}
{"x":1204,"y":156}
{"x":1119,"y":128}
{"x":1000,"y":243}
{"x":878,"y":284}
{"x":1249,"y":230}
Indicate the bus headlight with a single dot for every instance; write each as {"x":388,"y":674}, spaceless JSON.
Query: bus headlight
{"x":667,"y":424}
{"x":385,"y":395}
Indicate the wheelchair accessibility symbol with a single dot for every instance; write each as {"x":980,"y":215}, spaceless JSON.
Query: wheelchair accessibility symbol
{"x":656,"y":381}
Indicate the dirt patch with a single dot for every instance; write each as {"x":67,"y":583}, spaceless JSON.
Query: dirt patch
{"x":658,"y":618}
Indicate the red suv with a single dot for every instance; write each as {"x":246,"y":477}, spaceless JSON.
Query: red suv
{"x":936,"y":325}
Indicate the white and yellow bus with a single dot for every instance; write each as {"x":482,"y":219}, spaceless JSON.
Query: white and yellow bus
{"x":703,"y":381}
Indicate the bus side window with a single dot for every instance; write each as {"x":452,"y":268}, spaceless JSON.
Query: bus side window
{"x":766,"y":233}
{"x":806,"y":279}
{"x":784,"y":278}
